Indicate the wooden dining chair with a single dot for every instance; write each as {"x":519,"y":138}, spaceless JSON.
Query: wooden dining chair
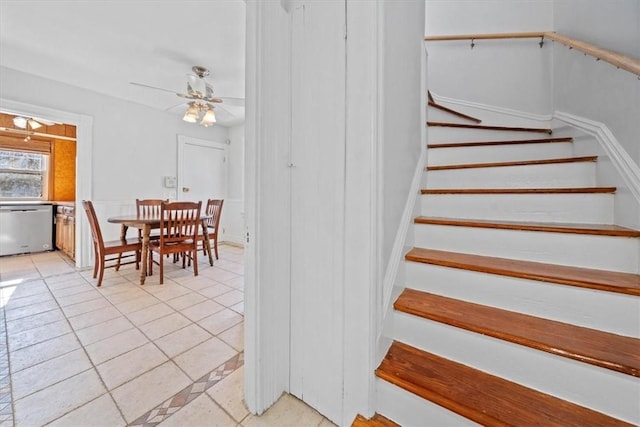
{"x":214,"y":208}
{"x":178,"y":234}
{"x":102,"y":250}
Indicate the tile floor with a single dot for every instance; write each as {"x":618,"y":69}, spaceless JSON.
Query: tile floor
{"x":72,"y":354}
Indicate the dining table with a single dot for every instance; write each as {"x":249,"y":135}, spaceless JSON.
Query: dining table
{"x":146,"y":223}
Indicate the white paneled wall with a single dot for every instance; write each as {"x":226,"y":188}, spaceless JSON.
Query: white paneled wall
{"x":232,"y":222}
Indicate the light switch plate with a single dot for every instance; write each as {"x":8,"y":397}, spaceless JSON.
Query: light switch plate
{"x":170,"y":182}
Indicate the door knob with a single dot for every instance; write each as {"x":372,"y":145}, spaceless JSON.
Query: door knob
{"x":185,"y":189}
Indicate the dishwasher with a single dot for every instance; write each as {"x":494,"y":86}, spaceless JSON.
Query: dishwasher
{"x":26,"y":228}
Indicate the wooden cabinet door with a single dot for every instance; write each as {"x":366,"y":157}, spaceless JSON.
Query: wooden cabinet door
{"x":70,"y":239}
{"x":60,"y":231}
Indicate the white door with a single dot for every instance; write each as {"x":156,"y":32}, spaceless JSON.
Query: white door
{"x":317,"y":204}
{"x":202,"y":170}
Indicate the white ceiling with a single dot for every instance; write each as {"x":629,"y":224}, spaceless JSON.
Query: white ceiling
{"x":103,"y":45}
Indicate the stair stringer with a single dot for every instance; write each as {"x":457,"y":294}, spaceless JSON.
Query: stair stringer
{"x":394,"y":277}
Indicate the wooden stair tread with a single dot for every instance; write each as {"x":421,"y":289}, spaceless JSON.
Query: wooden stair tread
{"x":610,"y":281}
{"x":376,"y":421}
{"x":603,"y":349}
{"x":506,"y":142}
{"x":592,"y":229}
{"x":569,"y":190}
{"x":481,"y":397}
{"x":514,"y":163}
{"x":489,"y":127}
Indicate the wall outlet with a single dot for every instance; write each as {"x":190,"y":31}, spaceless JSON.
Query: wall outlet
{"x":171,"y":195}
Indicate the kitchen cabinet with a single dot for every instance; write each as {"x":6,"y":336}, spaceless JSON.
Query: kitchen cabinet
{"x":66,"y":229}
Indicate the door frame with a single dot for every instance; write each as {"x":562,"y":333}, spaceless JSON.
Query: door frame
{"x":84,"y":161}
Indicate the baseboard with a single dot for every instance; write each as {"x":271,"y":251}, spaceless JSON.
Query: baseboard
{"x":624,"y":164}
{"x":493,"y":108}
{"x":233,"y":241}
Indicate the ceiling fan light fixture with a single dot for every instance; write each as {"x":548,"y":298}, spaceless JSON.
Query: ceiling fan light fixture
{"x":209,"y":117}
{"x":34,"y":124}
{"x":20,"y":122}
{"x":191,"y":115}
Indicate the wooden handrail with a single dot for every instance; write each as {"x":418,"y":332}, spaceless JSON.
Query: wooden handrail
{"x":616,"y":59}
{"x":529,"y":35}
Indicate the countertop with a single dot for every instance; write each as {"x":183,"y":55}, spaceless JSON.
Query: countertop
{"x":23,"y":202}
{"x":34,"y":203}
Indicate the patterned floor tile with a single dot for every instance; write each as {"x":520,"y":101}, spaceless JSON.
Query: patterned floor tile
{"x":189,"y":393}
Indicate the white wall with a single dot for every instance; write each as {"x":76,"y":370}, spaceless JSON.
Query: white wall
{"x":612,"y":24}
{"x":133,"y":146}
{"x":599,"y":91}
{"x":403,"y":105}
{"x":514,"y":75}
{"x":487,"y":16}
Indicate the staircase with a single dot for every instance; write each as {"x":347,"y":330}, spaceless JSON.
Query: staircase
{"x":522,"y":299}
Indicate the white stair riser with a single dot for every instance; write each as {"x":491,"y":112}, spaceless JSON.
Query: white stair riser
{"x":562,"y":175}
{"x":606,"y":311}
{"x":581,"y":383}
{"x":579,"y":250}
{"x":439,"y":134}
{"x":575,"y":208}
{"x":498,"y":153}
{"x":410,"y":410}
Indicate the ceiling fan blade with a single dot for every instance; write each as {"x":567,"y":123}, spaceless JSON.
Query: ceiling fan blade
{"x":152,"y":87}
{"x":224,"y":114}
{"x":198,"y":96}
{"x":236,"y":102}
{"x":181,"y":105}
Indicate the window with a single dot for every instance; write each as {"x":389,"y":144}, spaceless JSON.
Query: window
{"x":23,"y":175}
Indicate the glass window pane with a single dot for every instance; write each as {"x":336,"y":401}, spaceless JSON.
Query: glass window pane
{"x":21,"y":161}
{"x":20,"y":185}
{"x":22,"y":175}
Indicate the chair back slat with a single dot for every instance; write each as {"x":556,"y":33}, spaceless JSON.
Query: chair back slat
{"x":214,"y":208}
{"x":96,"y":233}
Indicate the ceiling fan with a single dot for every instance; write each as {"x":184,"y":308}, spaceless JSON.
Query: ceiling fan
{"x":200,"y":95}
